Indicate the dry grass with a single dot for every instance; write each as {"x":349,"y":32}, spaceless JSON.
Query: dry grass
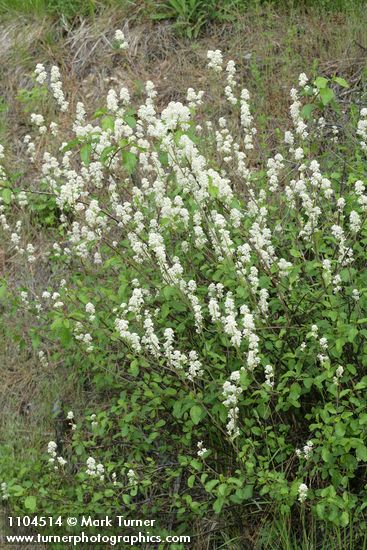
{"x":279,"y":46}
{"x":270,"y":50}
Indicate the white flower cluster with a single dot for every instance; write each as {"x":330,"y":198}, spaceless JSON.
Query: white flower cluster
{"x":362,"y":129}
{"x":41,"y":74}
{"x":91,"y":310}
{"x":121,"y":40}
{"x":70,"y":417}
{"x":94,"y":422}
{"x":323,"y":343}
{"x":194,"y":99}
{"x":338,"y":374}
{"x":306,"y":451}
{"x":195,"y":369}
{"x":4,"y":491}
{"x":215,"y":60}
{"x":201,"y":449}
{"x":84,"y":337}
{"x":56,"y":87}
{"x":231,"y":82}
{"x":284,"y":267}
{"x":302,"y":492}
{"x":179,"y":360}
{"x":302,"y":80}
{"x":176,"y":115}
{"x":247,"y":122}
{"x":231,"y":392}
{"x":42,"y":359}
{"x":354,"y":221}
{"x":131,"y":338}
{"x":94,"y":469}
{"x":39,"y":121}
{"x":295,"y":112}
{"x":132,"y":477}
{"x":326,"y":271}
{"x":345,"y":253}
{"x":229,"y":321}
{"x":54,"y":459}
{"x":269,"y":376}
{"x":274,"y":168}
{"x":150,"y":339}
{"x":359,"y":188}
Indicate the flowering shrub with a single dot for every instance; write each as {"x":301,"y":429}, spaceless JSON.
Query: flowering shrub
{"x":213,"y":298}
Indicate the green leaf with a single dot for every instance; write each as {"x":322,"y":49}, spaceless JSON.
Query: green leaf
{"x":126,"y":499}
{"x":222,"y":489}
{"x":163,"y":158}
{"x":361,"y":453}
{"x":306,"y":110}
{"x":65,"y":336}
{"x":321,"y":82}
{"x":3,"y":288}
{"x":99,"y":113}
{"x":326,"y":95}
{"x":295,"y":391}
{"x":129,"y":161}
{"x":362,"y":384}
{"x":210,"y":485}
{"x":191,"y":481}
{"x":352,"y":333}
{"x":177,"y":409}
{"x":17,"y":490}
{"x":340,"y":429}
{"x":31,"y":503}
{"x":106,"y":153}
{"x":134,"y":368}
{"x":213,"y":190}
{"x":344,"y":518}
{"x":85,"y":153}
{"x":245,"y":493}
{"x":341,"y":81}
{"x":165,"y":309}
{"x":70,"y":145}
{"x":196,"y":464}
{"x":108,"y":123}
{"x":130,"y":120}
{"x":218,"y":505}
{"x":241,"y":291}
{"x":307,"y":382}
{"x":195,"y":414}
{"x":326,"y":454}
{"x":6,"y":196}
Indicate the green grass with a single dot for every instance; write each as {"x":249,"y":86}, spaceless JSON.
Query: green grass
{"x":66,"y":8}
{"x":189,"y":17}
{"x":187,"y":13}
{"x":315,"y":536}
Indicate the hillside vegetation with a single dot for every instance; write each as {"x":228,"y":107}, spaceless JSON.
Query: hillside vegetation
{"x":183,"y":286}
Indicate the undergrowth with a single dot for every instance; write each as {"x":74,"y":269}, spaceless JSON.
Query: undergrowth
{"x":189,"y":17}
